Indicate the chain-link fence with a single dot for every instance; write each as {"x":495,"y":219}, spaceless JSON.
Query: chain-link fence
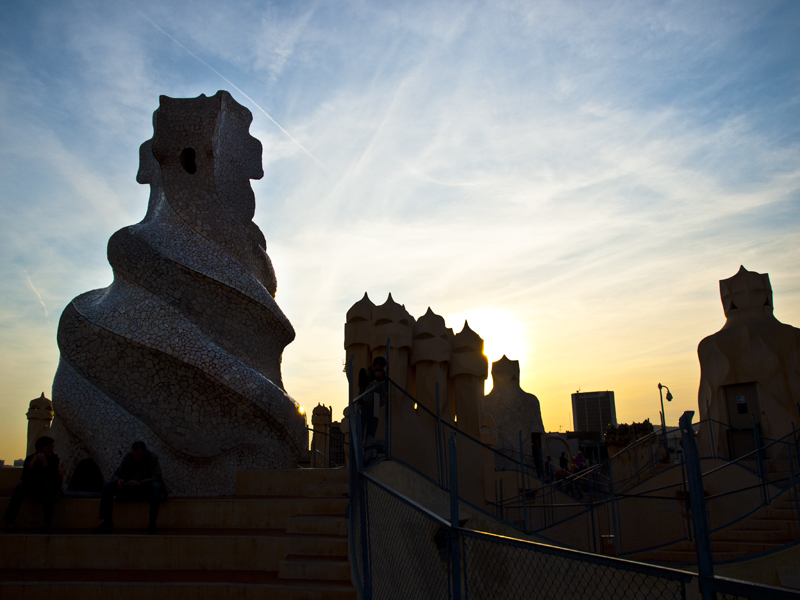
{"x":732,"y":589}
{"x":328,"y":447}
{"x":401,"y":550}
{"x":496,"y":567}
{"x":413,"y":554}
{"x":618,"y":507}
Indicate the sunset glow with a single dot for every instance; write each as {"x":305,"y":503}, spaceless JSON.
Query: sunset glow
{"x":572,"y":178}
{"x":501,"y":333}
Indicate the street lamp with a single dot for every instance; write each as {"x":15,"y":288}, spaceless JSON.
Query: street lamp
{"x":663,"y":416}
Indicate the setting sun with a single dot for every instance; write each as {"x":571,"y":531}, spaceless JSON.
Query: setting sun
{"x":501,"y":333}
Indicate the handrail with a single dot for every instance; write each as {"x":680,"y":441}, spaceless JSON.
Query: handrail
{"x":451,"y":542}
{"x":550,"y":509}
{"x":756,"y":451}
{"x":340,"y":437}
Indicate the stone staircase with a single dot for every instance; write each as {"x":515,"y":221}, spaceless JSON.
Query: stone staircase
{"x":645,"y":475}
{"x":283,"y":535}
{"x":768,"y":529}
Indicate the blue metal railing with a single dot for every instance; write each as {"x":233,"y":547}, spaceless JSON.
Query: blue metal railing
{"x":399,"y":549}
{"x":589,"y":501}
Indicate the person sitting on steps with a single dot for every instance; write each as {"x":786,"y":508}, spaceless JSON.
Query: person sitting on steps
{"x":40,"y":481}
{"x":137,"y":478}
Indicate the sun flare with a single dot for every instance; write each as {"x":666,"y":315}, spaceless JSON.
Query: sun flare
{"x":501,"y":333}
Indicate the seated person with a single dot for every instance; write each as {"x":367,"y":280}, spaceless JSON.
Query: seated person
{"x":40,"y":481}
{"x":580,"y":461}
{"x":371,"y":406}
{"x":137,"y":478}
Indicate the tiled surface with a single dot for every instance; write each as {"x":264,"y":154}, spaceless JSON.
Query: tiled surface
{"x":183,"y":349}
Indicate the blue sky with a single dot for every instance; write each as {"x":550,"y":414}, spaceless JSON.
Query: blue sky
{"x":573,"y":177}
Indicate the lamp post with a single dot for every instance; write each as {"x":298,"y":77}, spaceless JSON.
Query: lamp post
{"x":663,"y":416}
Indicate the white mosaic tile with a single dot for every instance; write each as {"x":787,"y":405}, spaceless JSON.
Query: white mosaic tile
{"x":183,"y":349}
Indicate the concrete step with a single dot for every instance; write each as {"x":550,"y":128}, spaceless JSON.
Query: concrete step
{"x":317,"y":524}
{"x":9,"y":478}
{"x":748,"y":535}
{"x":285,"y":482}
{"x":224,"y":513}
{"x":765,"y":525}
{"x":780,"y":511}
{"x":256,"y":482}
{"x":327,"y":490}
{"x":722,"y":551}
{"x":284,"y":535}
{"x":168,"y":550}
{"x":681,"y":557}
{"x":746,"y":548}
{"x":325,"y":568}
{"x":87,"y":584}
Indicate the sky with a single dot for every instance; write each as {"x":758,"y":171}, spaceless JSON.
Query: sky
{"x":573,"y":178}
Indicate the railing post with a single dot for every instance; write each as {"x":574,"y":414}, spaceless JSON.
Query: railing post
{"x":652,"y":456}
{"x":455,"y":555}
{"x":591,"y":509}
{"x":313,"y":464}
{"x":355,"y":497}
{"x":685,"y":496}
{"x":796,"y":448}
{"x":522,"y":472}
{"x":711,"y":430}
{"x":357,"y":430}
{"x":760,"y":461}
{"x":388,"y":403}
{"x":496,"y":500}
{"x":795,"y":490}
{"x":361,"y":494}
{"x":439,"y":449}
{"x":613,"y":510}
{"x":705,"y":560}
{"x":502,"y":501}
{"x":351,"y":415}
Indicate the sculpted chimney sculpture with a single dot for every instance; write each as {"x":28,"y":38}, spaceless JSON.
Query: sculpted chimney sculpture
{"x":391,"y":321}
{"x":468,"y":370}
{"x":513,"y":408}
{"x":321,"y":442}
{"x":357,"y":339}
{"x":183,"y":349}
{"x":424,"y":354}
{"x":40,"y":414}
{"x":430,"y":358}
{"x":749,"y":369}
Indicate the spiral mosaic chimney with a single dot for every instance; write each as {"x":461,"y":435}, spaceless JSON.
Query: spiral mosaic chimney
{"x":183,"y":350}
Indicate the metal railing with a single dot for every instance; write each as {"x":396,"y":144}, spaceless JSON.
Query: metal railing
{"x":596,"y":509}
{"x":399,"y":549}
{"x":327,"y":448}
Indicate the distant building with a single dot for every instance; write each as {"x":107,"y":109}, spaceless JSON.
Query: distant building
{"x":593,"y":411}
{"x":337,"y":444}
{"x":19,"y":462}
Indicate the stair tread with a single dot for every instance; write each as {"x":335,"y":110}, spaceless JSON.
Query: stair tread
{"x":161,"y":576}
{"x":186,"y":499}
{"x":305,"y":558}
{"x":193,"y":532}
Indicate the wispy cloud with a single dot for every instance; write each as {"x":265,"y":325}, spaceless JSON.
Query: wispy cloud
{"x":39,"y":296}
{"x":237,"y":88}
{"x":589,"y":169}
